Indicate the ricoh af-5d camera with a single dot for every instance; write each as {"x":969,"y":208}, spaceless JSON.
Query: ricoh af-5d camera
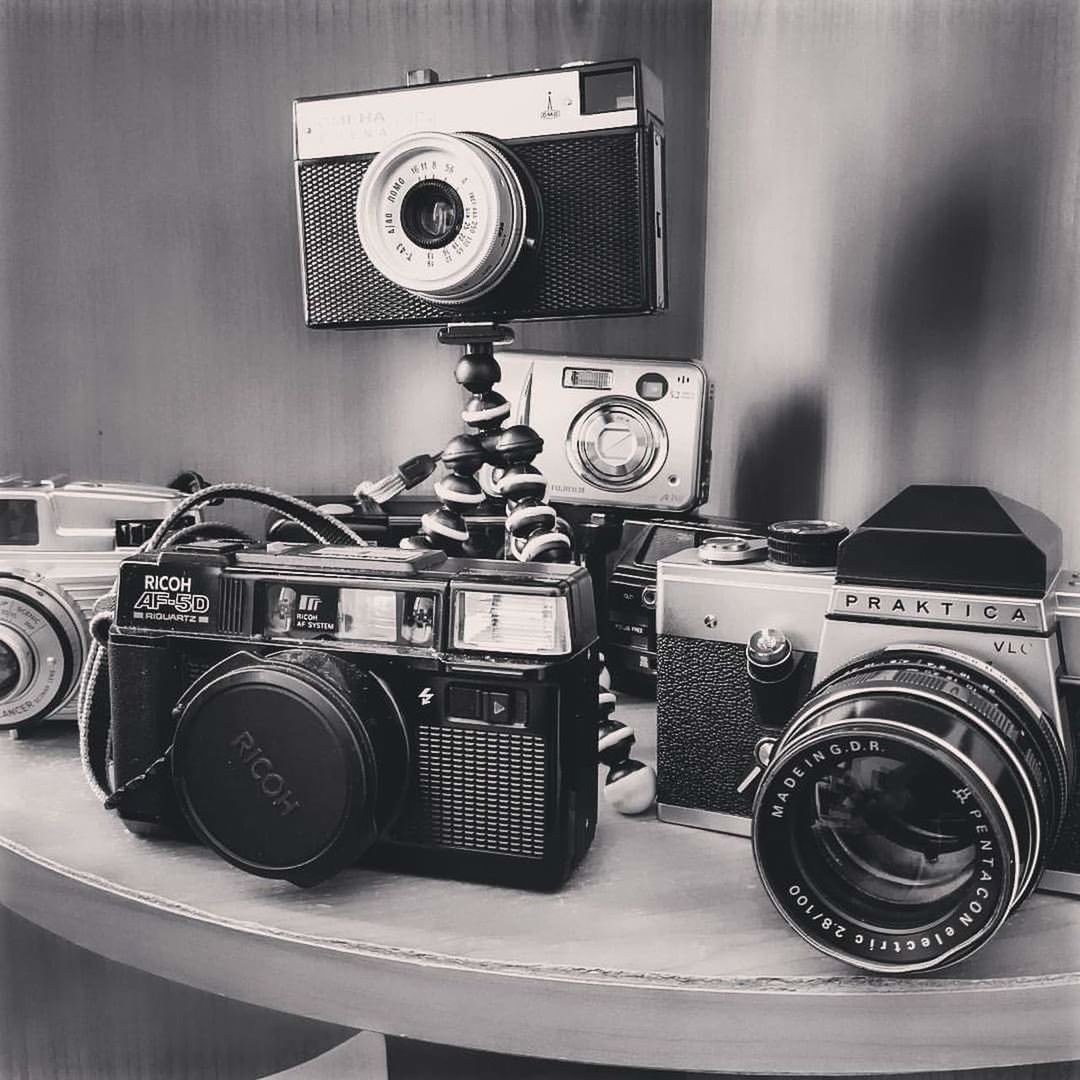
{"x":896,"y":734}
{"x":536,"y":195}
{"x":319,"y":705}
{"x":61,"y":544}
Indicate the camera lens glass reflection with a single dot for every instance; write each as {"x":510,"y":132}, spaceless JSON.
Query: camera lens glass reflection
{"x":431,"y":214}
{"x":9,"y":670}
{"x":889,"y":833}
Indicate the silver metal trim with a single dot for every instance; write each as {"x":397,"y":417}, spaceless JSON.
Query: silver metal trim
{"x":1060,"y":881}
{"x":713,"y":820}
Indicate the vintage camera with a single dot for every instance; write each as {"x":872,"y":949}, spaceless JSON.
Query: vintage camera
{"x":895,"y":734}
{"x":319,"y":705}
{"x":628,"y":632}
{"x":61,"y":544}
{"x":618,"y":433}
{"x":536,"y":195}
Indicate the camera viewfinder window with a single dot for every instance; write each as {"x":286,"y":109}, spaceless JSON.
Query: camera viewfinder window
{"x":607,"y":91}
{"x":18,"y":522}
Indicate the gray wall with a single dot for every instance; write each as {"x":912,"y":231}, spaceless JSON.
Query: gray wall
{"x":149,"y":267}
{"x":892,"y":259}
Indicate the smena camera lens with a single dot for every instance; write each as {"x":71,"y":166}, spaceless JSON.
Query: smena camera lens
{"x":908,"y":808}
{"x":290,"y":765}
{"x":42,"y":645}
{"x":446,"y":217}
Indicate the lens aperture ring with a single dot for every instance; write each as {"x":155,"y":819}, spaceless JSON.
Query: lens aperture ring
{"x":453,"y":264}
{"x":43,"y":630}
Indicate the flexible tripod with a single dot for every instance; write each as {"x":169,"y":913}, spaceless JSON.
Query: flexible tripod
{"x":532,"y":529}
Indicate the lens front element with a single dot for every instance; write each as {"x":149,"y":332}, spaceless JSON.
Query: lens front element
{"x":908,"y":808}
{"x":444,"y":217}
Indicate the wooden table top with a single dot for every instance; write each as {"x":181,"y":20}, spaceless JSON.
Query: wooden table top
{"x":661,"y":951}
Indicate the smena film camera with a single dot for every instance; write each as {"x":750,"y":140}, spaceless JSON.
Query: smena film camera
{"x":323,"y":704}
{"x":904,"y":719}
{"x":61,"y":545}
{"x":550,"y":205}
{"x":619,"y":432}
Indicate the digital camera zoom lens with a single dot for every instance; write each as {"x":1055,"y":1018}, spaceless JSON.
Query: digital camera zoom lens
{"x":908,"y":808}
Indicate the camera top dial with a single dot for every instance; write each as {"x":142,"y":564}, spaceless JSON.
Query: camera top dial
{"x":445,"y":217}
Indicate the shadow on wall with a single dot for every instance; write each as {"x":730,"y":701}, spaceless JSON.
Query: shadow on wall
{"x":954,"y":302}
{"x":780,"y":461}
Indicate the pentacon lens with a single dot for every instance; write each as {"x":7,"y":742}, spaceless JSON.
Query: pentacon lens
{"x":42,"y":646}
{"x":445,"y":217}
{"x":908,"y":808}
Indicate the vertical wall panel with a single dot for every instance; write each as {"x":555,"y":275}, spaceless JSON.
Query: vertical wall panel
{"x":891,"y":267}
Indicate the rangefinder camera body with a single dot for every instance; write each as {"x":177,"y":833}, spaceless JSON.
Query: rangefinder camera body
{"x":326,"y":704}
{"x":536,"y":195}
{"x":618,"y":432}
{"x":895,"y":734}
{"x":61,"y":544}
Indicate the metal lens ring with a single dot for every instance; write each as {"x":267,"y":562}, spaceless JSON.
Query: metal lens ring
{"x":290,"y":765}
{"x":42,"y":646}
{"x":908,"y":808}
{"x":617,"y":444}
{"x":442,"y":216}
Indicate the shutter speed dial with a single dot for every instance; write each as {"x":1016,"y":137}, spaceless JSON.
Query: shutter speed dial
{"x":617,"y":444}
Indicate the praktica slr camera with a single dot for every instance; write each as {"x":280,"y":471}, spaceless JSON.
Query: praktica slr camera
{"x":619,"y":432}
{"x":536,"y":195}
{"x":319,"y":705}
{"x":61,"y":545}
{"x":895,"y":732}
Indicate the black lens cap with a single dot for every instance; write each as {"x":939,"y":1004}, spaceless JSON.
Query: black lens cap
{"x":270,"y":772}
{"x":806,"y":544}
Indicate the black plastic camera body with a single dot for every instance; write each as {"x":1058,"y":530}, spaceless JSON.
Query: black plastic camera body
{"x":319,"y":706}
{"x":537,"y":195}
{"x":898,"y":735}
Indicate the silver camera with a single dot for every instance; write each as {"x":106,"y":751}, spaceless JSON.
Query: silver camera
{"x":895,"y":722}
{"x":617,"y":432}
{"x":61,"y":545}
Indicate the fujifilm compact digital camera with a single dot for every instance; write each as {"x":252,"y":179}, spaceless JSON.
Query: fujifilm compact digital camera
{"x":61,"y":545}
{"x":625,"y":433}
{"x":894,"y":733}
{"x":319,"y":705}
{"x":537,"y":195}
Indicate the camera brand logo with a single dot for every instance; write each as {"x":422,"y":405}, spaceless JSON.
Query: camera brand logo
{"x":550,"y":113}
{"x":923,"y":607}
{"x":270,"y":783}
{"x":171,"y":598}
{"x":310,"y":603}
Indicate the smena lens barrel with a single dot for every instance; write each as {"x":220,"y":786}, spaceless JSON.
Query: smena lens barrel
{"x":908,"y":808}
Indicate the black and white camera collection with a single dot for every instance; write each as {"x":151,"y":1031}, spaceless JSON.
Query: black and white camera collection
{"x":889,"y":714}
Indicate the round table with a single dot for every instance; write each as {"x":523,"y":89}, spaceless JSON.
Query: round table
{"x":661,"y":951}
